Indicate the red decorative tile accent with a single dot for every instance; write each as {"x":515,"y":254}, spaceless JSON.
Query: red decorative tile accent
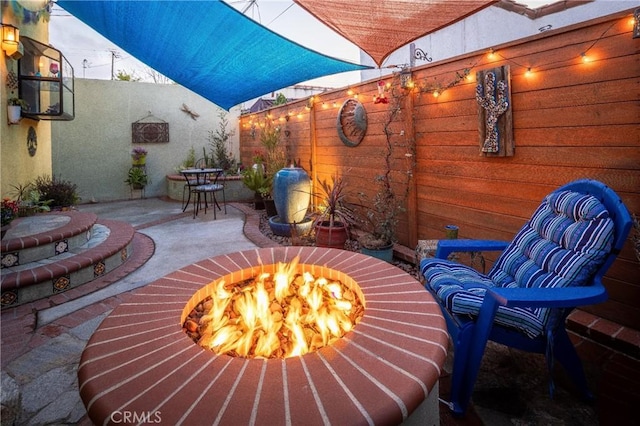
{"x":140,"y":360}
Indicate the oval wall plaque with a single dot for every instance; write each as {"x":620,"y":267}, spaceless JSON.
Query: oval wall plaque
{"x":32,"y":141}
{"x":352,"y":122}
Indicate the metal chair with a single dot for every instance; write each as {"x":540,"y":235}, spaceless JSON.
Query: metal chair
{"x":191,"y":181}
{"x":554,"y":263}
{"x":212,"y":187}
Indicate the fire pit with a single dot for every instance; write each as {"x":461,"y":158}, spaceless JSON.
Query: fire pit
{"x":140,"y":366}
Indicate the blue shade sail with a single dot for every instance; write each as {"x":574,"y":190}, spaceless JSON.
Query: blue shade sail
{"x":206,"y":46}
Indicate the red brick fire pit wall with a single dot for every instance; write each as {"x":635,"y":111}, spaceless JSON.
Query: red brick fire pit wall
{"x":140,"y":365}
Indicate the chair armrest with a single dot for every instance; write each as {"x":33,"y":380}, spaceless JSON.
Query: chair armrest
{"x":446,"y":247}
{"x":564,"y":297}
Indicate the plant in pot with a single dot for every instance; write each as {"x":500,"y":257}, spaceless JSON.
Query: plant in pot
{"x":382,"y":213}
{"x":58,"y":193}
{"x":30,"y":200}
{"x":258,"y":182}
{"x":14,"y":109}
{"x":334,"y":217}
{"x":137,"y":178}
{"x":379,"y":221}
{"x":139,"y":156}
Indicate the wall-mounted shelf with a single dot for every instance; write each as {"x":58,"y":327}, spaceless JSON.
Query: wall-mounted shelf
{"x":45,"y":82}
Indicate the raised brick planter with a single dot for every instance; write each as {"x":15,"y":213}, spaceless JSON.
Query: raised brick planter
{"x":140,"y":361}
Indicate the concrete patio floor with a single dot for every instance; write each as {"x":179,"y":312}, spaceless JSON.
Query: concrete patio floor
{"x":41,"y":348}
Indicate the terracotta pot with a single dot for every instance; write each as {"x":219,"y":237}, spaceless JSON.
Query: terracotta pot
{"x":331,"y":236}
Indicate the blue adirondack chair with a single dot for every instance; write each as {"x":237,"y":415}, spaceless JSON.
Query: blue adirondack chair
{"x":554,"y":263}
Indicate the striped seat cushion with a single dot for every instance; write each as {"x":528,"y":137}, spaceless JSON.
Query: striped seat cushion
{"x":563,"y":244}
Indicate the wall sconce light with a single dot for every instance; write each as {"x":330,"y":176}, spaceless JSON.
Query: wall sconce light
{"x":636,"y":23}
{"x":405,"y":78}
{"x":11,"y":40}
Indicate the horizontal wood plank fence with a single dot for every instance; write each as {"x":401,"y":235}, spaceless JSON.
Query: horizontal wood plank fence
{"x":574,"y":116}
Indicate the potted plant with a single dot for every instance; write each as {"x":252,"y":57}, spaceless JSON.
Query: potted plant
{"x":258,"y":182}
{"x":382,"y":213}
{"x":14,"y":109}
{"x":380,"y":222}
{"x":139,"y":156}
{"x":30,"y":200}
{"x":334,"y":217}
{"x":59,"y":194}
{"x":137,"y":178}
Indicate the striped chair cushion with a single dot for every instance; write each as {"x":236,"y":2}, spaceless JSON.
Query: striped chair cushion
{"x":563,"y":244}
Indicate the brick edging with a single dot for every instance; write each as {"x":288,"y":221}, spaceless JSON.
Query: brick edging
{"x":80,"y":223}
{"x":604,"y":332}
{"x":120,"y":236}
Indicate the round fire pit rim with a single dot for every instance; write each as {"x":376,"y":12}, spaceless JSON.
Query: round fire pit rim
{"x":181,"y":285}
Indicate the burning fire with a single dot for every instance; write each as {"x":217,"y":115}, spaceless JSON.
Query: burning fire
{"x":281,"y":315}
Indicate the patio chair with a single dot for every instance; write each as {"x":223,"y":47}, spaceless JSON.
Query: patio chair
{"x":192,"y":181}
{"x":211,"y":187}
{"x":554,"y":263}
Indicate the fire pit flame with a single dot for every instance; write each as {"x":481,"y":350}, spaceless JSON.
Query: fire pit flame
{"x":283,"y":314}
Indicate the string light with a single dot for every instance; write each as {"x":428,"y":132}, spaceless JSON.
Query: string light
{"x":437,"y":89}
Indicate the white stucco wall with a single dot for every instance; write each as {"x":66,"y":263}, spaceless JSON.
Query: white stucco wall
{"x":93,"y":151}
{"x":490,"y":27}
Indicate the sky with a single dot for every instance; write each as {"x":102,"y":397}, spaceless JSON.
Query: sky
{"x":91,"y":55}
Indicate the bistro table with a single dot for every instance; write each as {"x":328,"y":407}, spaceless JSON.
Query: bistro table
{"x":200,"y":178}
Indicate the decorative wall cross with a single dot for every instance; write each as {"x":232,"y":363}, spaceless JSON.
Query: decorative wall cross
{"x":494,"y":112}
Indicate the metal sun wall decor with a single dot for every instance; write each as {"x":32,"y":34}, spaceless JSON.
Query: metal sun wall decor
{"x":495,"y":120}
{"x":352,"y":123}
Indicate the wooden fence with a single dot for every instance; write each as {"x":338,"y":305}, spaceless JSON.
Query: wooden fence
{"x":574,"y":103}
